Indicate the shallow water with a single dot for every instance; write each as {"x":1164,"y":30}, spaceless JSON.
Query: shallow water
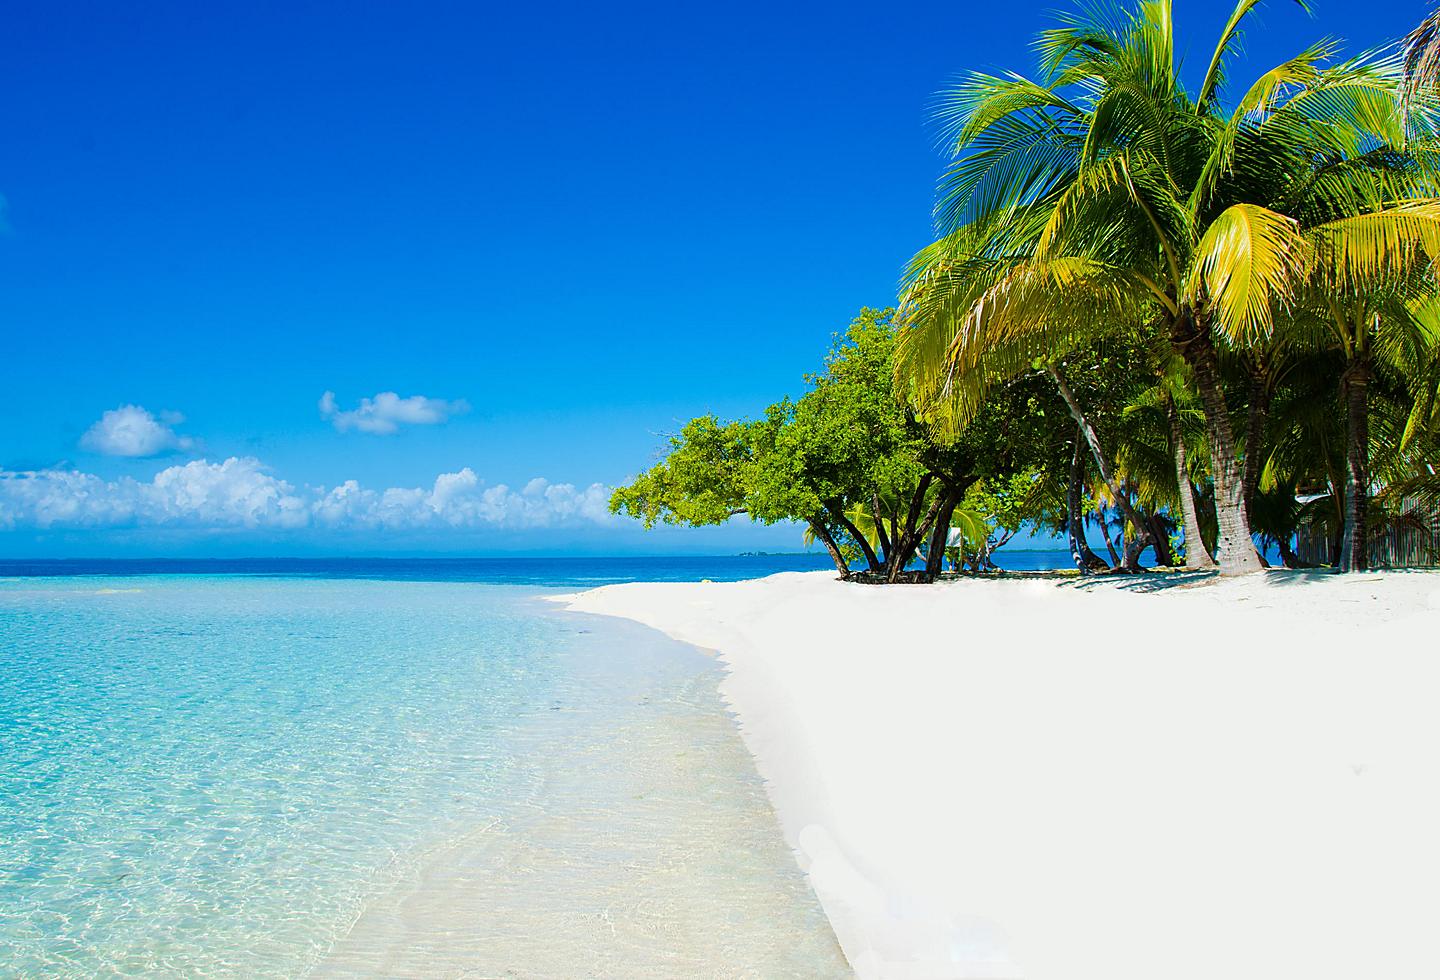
{"x":271,"y":777}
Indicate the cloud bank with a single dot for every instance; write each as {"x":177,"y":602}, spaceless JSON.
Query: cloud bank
{"x":386,"y":412}
{"x":242,"y":493}
{"x":131,"y":430}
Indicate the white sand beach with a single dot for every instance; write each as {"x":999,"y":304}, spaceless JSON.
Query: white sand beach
{"x":1142,"y":778}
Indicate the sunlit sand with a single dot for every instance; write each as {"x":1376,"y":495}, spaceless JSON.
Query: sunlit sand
{"x":1136,"y":777}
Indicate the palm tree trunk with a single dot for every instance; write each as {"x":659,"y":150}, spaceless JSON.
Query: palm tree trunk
{"x":1256,"y":416}
{"x":1337,"y":539}
{"x":1085,"y":559}
{"x":1196,"y":556}
{"x":1093,"y":440}
{"x":1256,"y":419}
{"x":1355,"y":546}
{"x":1236,"y":549}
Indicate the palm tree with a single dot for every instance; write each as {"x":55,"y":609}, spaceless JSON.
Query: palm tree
{"x":1081,"y":553}
{"x":1164,"y":471}
{"x":1420,"y":52}
{"x":1368,"y":289}
{"x":1107,"y":199}
{"x":1367,"y":325}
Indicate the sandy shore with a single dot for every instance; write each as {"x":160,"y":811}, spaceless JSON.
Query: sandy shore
{"x":1144,"y":778}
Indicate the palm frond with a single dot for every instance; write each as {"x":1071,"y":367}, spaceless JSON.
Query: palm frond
{"x":1365,"y":252}
{"x":1420,"y":52}
{"x":1229,"y":38}
{"x":1248,"y":260}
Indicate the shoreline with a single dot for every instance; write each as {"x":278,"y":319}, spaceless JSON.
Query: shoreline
{"x":611,"y":863}
{"x":1119,"y":777}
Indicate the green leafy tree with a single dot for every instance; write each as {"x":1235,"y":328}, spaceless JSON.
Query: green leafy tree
{"x":848,"y":444}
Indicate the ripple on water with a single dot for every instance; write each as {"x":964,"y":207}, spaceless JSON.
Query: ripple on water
{"x":266,"y":777}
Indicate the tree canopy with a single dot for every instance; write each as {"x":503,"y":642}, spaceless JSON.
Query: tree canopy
{"x":1202,"y":322}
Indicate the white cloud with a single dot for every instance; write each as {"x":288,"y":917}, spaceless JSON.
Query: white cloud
{"x":241,"y":493}
{"x":387,"y":411}
{"x":462,"y":500}
{"x":235,"y":493}
{"x":132,"y":431}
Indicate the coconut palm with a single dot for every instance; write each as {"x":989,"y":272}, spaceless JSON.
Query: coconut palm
{"x":1106,"y":199}
{"x":1370,"y":323}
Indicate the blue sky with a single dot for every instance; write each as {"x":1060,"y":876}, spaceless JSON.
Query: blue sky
{"x":564,"y":228}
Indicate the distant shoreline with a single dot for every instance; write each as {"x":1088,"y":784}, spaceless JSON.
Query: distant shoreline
{"x":730,"y":567}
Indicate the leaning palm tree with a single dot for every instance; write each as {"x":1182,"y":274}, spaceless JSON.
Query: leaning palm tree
{"x":1107,"y":198}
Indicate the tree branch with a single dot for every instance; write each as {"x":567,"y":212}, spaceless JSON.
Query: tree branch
{"x":854,"y":532}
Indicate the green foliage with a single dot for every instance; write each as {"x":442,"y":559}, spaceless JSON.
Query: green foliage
{"x":1103,"y":200}
{"x":1008,"y":503}
{"x":847,"y":454}
{"x":1204,"y":274}
{"x":702,"y":481}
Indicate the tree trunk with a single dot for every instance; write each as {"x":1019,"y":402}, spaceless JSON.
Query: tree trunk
{"x":1337,"y":539}
{"x":1105,"y":534}
{"x":1161,"y":541}
{"x":1355,"y":547}
{"x":1134,"y":546}
{"x":860,"y":541}
{"x":906,"y":539}
{"x":917,"y":501}
{"x":1257,"y":416}
{"x":1130,"y":561}
{"x":1101,"y":462}
{"x":1085,"y":559}
{"x":823,"y":533}
{"x":1236,"y":549}
{"x":1196,"y":557}
{"x":881,"y":537}
{"x":935,"y":557}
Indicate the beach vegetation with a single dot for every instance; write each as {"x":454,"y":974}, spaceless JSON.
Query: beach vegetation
{"x":1102,"y":199}
{"x":1202,"y":321}
{"x":851,"y":459}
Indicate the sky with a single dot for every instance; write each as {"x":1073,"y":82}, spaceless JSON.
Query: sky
{"x":421,"y":278}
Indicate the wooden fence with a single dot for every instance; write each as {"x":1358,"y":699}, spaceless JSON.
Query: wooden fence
{"x":1413,"y":543}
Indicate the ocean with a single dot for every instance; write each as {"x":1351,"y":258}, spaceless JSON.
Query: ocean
{"x":551,"y":572}
{"x":282,"y":768}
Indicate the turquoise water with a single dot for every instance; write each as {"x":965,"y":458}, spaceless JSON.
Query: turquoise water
{"x":227,"y":776}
